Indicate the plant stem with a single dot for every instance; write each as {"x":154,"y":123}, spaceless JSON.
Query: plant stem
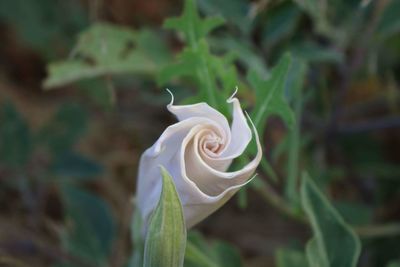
{"x":273,"y":198}
{"x":203,"y":74}
{"x":378,"y":230}
{"x":266,"y":166}
{"x":293,"y":154}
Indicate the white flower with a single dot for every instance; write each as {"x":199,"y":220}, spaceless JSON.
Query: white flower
{"x":197,"y":152}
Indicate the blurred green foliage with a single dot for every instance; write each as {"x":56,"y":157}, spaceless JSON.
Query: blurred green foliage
{"x":90,"y":224}
{"x":298,"y":62}
{"x":43,"y":23}
{"x":105,"y":49}
{"x":334,"y":242}
{"x":15,"y":137}
{"x":200,"y":252}
{"x":290,"y":257}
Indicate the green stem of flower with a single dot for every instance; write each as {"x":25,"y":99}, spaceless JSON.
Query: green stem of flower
{"x":291,"y":192}
{"x":272,"y":197}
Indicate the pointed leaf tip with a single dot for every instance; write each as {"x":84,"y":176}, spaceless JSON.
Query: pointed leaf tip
{"x":334,"y":242}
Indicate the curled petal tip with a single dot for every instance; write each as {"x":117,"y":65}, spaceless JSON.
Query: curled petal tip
{"x":172,"y":97}
{"x":230,"y":99}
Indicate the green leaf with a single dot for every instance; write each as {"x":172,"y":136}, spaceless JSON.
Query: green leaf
{"x":64,"y":129}
{"x":137,"y":239}
{"x":226,"y":254}
{"x":202,"y":67}
{"x":394,"y":264}
{"x":290,"y":258}
{"x":166,"y":234}
{"x":191,"y":25}
{"x":98,"y":91}
{"x":354,"y":213}
{"x":313,"y":52}
{"x":334,"y":242}
{"x":243,"y":51}
{"x":314,"y":256}
{"x":317,"y":10}
{"x":281,"y":22}
{"x":389,"y":23}
{"x":72,"y":166}
{"x":294,"y":83}
{"x":187,"y":64}
{"x":270,"y":94}
{"x":194,"y":257}
{"x":153,"y":45}
{"x":200,"y":253}
{"x":15,"y":137}
{"x":45,"y":23}
{"x":234,"y":11}
{"x":91,"y":228}
{"x":196,"y":60}
{"x":104,"y":49}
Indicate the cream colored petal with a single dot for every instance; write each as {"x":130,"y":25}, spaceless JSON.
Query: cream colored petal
{"x":201,"y":110}
{"x":241,"y":133}
{"x":166,"y":152}
{"x":216,"y":186}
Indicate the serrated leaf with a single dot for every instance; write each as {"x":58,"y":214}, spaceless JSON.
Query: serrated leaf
{"x":199,"y":65}
{"x":15,"y":137}
{"x":187,"y":64}
{"x":334,"y":243}
{"x":92,"y":227}
{"x":270,"y":94}
{"x":166,"y":234}
{"x":103,"y":49}
{"x":290,"y":258}
{"x":194,"y":61}
{"x":191,"y":25}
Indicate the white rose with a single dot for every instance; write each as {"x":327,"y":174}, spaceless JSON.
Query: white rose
{"x":197,"y":151}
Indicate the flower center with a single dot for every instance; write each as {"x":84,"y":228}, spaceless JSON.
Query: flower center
{"x":211,"y":143}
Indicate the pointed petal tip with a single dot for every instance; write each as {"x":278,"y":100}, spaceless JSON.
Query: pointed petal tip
{"x":232,"y":97}
{"x":172,"y":97}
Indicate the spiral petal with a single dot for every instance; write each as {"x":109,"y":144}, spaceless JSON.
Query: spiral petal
{"x":197,"y":152}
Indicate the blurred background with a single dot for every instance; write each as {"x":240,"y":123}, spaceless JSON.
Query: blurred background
{"x":70,"y":143}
